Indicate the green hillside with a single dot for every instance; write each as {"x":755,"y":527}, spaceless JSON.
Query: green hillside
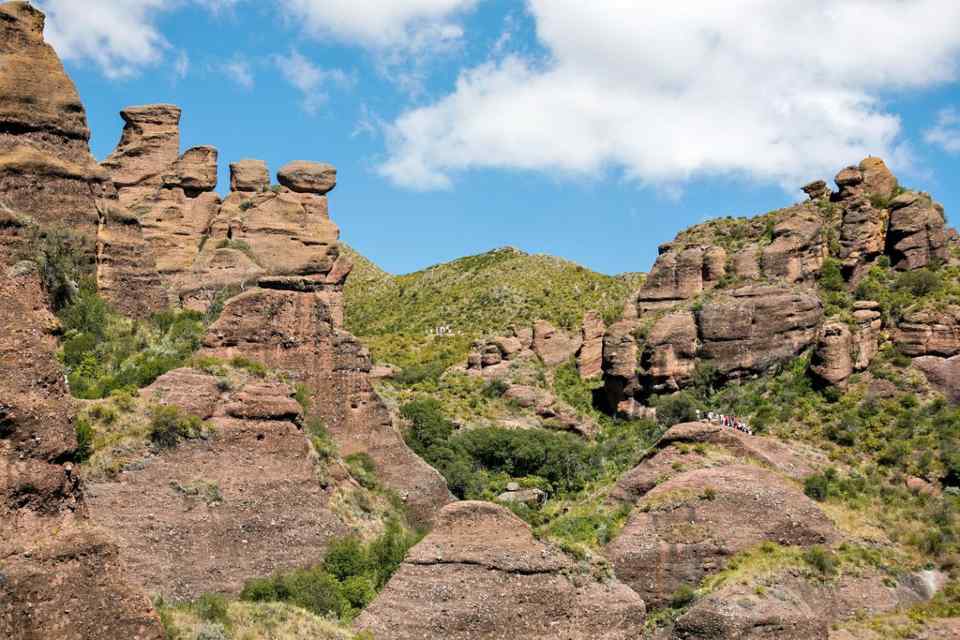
{"x":480,"y":294}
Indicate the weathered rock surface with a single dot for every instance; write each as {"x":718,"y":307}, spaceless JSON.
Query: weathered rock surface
{"x":148,"y":148}
{"x":798,"y":249}
{"x":590,"y":356}
{"x":249,"y":175}
{"x":195,"y":172}
{"x":209,"y":514}
{"x":929,"y":332}
{"x":553,"y":345}
{"x":793,"y":605}
{"x":668,"y":359}
{"x":298,"y":332}
{"x":943,"y":374}
{"x":308,"y":177}
{"x":60,"y":577}
{"x":757,"y":327}
{"x":917,"y":234}
{"x":687,"y":527}
{"x":676,"y":453}
{"x":443,"y":589}
{"x":832,"y":360}
{"x":681,"y":274}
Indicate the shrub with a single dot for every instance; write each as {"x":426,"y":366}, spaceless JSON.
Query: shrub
{"x":363,"y":469}
{"x":919,"y":283}
{"x":66,"y":263}
{"x":359,"y":591}
{"x":821,"y":559}
{"x":495,"y":389}
{"x":817,"y":487}
{"x":831,"y":277}
{"x":677,"y":408}
{"x":256,"y":368}
{"x":212,"y":607}
{"x":84,"y":433}
{"x":302,"y":395}
{"x":682,"y":597}
{"x":168,"y":426}
{"x":320,"y":437}
{"x":346,"y":557}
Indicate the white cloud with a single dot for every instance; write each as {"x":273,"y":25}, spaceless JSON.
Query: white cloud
{"x":181,"y":66}
{"x":946,"y":133}
{"x":310,"y":80}
{"x":119,"y":37}
{"x":407,"y":24}
{"x":774,"y":90}
{"x":239,"y":71}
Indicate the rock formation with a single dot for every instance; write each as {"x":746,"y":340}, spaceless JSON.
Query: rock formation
{"x":741,"y":294}
{"x":61,"y":577}
{"x":686,"y":527}
{"x":212,"y":513}
{"x":590,"y":355}
{"x":445,"y":588}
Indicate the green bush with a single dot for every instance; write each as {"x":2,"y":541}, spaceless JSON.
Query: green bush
{"x":919,"y":283}
{"x":821,"y":559}
{"x":212,"y":607}
{"x":84,"y":433}
{"x":363,"y":469}
{"x":358,"y":591}
{"x":682,"y":597}
{"x":168,"y":425}
{"x":678,"y":408}
{"x":346,"y":557}
{"x":256,"y":368}
{"x":831,"y":277}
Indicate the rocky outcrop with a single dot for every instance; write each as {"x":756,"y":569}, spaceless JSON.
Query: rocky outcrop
{"x":553,"y":345}
{"x":555,"y":413}
{"x":46,"y":170}
{"x":61,"y":576}
{"x":443,"y":589}
{"x":148,"y":149}
{"x":681,"y":273}
{"x":754,"y":328}
{"x":702,"y":445}
{"x":793,"y":604}
{"x":249,"y":175}
{"x":917,"y":234}
{"x":590,"y":355}
{"x":298,"y":332}
{"x":832,"y":360}
{"x":308,"y":177}
{"x":929,"y":332}
{"x":195,"y":172}
{"x":669,"y":355}
{"x":209,"y":514}
{"x":688,"y":526}
{"x":491,"y":357}
{"x":943,"y":374}
{"x":798,"y":248}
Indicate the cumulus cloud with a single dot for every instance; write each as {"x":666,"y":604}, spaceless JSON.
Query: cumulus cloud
{"x":946,"y":132}
{"x":309,"y":79}
{"x":120,"y":37}
{"x":774,"y":90}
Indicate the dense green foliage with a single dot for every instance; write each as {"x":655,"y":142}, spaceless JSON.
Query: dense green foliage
{"x":104,"y":351}
{"x":351,"y":574}
{"x":169,"y":425}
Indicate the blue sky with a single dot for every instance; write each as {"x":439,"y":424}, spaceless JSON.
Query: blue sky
{"x":592,"y":131}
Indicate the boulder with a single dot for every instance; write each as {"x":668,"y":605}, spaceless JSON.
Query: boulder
{"x":532,"y":498}
{"x":916,"y":236}
{"x":590,"y":356}
{"x":308,"y":177}
{"x":943,"y":374}
{"x":195,"y":172}
{"x":443,"y":588}
{"x":688,"y":526}
{"x":832,"y":361}
{"x":553,"y":345}
{"x":878,"y":181}
{"x":249,"y":175}
{"x":817,"y":190}
{"x":681,"y":273}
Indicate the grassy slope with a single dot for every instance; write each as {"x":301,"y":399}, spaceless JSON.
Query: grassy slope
{"x":480,"y":294}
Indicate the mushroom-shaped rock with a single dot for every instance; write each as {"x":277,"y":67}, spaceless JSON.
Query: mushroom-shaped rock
{"x":443,"y":588}
{"x":308,"y":177}
{"x":249,"y":175}
{"x":687,"y":527}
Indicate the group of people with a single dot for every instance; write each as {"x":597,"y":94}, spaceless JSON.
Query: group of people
{"x":728,"y":421}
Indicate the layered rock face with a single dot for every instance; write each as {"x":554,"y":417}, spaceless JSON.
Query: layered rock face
{"x":741,"y":294}
{"x":210,"y":514}
{"x":492,"y":357}
{"x":688,"y":526}
{"x":61,"y":577}
{"x":444,"y":587}
{"x":46,"y":170}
